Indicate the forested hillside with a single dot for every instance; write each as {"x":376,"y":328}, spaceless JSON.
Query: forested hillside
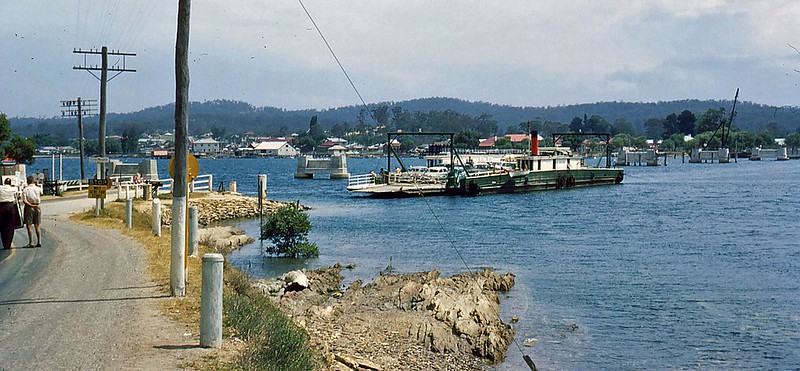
{"x":223,"y":117}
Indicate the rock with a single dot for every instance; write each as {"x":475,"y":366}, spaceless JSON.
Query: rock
{"x":356,"y":362}
{"x":295,"y":281}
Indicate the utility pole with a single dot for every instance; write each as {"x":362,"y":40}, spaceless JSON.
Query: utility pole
{"x":79,"y":107}
{"x":104,"y":79}
{"x":180,"y":170}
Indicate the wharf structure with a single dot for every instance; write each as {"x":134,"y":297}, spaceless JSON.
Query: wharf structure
{"x":626,"y":157}
{"x":699,"y":155}
{"x":331,"y":167}
{"x":780,"y":154}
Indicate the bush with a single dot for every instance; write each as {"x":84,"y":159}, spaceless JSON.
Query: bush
{"x":287,"y":227}
{"x":274,"y":342}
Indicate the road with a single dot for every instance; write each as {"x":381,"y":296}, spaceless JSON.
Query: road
{"x":84,"y":300}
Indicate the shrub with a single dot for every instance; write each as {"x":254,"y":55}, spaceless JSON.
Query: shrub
{"x":287,"y":227}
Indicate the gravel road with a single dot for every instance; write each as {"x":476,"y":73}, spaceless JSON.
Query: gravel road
{"x":84,"y":300}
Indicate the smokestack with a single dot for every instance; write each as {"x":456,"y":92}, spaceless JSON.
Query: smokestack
{"x":534,"y":143}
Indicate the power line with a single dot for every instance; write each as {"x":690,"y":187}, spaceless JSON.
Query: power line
{"x":346,"y":75}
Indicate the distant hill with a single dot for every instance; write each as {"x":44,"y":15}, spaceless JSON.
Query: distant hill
{"x":237,"y":117}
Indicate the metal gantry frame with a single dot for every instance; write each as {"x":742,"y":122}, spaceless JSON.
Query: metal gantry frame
{"x":590,"y":134}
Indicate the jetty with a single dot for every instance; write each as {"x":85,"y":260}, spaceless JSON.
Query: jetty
{"x":330,"y":167}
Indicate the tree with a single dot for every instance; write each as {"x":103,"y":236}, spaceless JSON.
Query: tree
{"x":5,"y":128}
{"x":576,"y":125}
{"x":622,"y":125}
{"x":654,"y":128}
{"x":20,"y":149}
{"x":130,"y":139}
{"x":685,"y":123}
{"x":670,"y":124}
{"x":467,"y":139}
{"x":503,"y":143}
{"x":710,"y":120}
{"x":306,"y":144}
{"x":287,"y":227}
{"x":381,"y":114}
{"x":793,"y":140}
{"x":766,"y":139}
{"x":315,"y":130}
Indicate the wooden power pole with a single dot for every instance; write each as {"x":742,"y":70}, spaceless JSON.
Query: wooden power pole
{"x":80,"y":108}
{"x":180,"y":171}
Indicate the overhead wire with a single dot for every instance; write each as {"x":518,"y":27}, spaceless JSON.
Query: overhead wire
{"x":525,"y":357}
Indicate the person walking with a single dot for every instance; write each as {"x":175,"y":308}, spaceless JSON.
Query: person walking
{"x":9,"y":214}
{"x":32,"y":196}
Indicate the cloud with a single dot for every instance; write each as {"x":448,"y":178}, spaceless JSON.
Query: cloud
{"x":514,"y":52}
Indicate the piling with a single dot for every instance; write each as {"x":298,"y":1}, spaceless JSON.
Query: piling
{"x":211,"y":301}
{"x":232,"y":186}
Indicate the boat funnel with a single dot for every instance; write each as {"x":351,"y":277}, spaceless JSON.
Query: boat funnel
{"x":534,"y":143}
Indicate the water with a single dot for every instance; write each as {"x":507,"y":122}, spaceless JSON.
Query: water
{"x":686,"y":266}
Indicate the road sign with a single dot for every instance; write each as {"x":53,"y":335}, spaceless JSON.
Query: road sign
{"x":100,"y":182}
{"x":96,"y":191}
{"x":101,"y":160}
{"x":192,"y":167}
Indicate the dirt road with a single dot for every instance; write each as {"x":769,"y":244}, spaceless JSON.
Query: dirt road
{"x":84,"y":301}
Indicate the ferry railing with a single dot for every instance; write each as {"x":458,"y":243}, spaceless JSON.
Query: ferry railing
{"x":361,"y":180}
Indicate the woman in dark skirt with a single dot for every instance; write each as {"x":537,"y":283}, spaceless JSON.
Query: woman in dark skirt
{"x":9,"y":213}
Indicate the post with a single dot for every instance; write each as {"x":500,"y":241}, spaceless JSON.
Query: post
{"x":262,"y":195}
{"x":211,"y":301}
{"x":129,"y":213}
{"x":80,"y":136}
{"x":193,"y":231}
{"x":101,"y":135}
{"x":156,"y":217}
{"x":60,"y":167}
{"x":179,"y":186}
{"x":232,"y":186}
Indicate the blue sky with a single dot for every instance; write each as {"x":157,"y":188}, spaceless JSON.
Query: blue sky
{"x":523,"y":53}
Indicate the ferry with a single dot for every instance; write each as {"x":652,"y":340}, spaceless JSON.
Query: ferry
{"x":545,"y":169}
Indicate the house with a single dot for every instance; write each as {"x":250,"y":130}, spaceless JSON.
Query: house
{"x":514,"y":138}
{"x":279,"y":149}
{"x":205,"y":146}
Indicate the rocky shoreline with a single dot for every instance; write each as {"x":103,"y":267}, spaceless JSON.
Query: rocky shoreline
{"x":418,"y":321}
{"x":415,"y":321}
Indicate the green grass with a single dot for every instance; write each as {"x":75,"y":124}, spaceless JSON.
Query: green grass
{"x":273,"y":341}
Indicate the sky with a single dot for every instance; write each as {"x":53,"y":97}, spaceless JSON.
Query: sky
{"x":521,"y":53}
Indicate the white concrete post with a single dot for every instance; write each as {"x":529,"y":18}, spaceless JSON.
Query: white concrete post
{"x":156,"y":217}
{"x":211,"y":301}
{"x":262,"y":186}
{"x":177,"y":277}
{"x":193,"y":233}
{"x":129,"y":213}
{"x":232,"y":186}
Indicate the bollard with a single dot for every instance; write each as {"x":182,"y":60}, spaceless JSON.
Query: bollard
{"x":193,"y":231}
{"x":262,"y":186}
{"x":156,"y":217}
{"x":129,"y":213}
{"x":232,"y":186}
{"x":211,"y":301}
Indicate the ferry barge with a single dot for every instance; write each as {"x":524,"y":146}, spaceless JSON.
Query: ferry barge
{"x":546,"y":169}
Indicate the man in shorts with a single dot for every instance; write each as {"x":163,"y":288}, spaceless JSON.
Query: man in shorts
{"x":32,"y":217}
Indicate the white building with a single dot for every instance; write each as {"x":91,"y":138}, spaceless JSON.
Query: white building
{"x":280,"y":149}
{"x":207,"y":146}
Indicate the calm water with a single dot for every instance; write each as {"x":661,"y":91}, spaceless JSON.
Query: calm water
{"x":688,"y":266}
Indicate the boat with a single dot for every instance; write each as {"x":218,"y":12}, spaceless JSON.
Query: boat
{"x":540,"y":169}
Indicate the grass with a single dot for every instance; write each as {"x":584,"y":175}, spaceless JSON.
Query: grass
{"x":273,"y":341}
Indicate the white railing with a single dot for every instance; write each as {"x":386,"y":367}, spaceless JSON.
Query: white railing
{"x":203,"y":183}
{"x":361,"y":180}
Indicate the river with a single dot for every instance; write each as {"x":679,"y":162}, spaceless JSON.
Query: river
{"x":682,"y":266}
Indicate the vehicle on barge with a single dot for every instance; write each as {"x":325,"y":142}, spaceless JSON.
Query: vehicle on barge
{"x":545,"y":169}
